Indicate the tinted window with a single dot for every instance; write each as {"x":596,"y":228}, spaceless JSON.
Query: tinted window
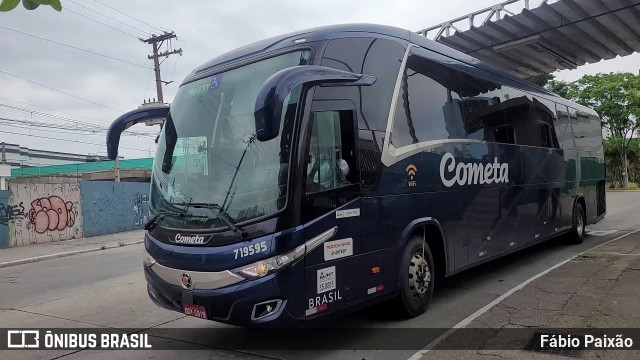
{"x":377,"y":57}
{"x":583,"y":131}
{"x":428,"y":104}
{"x":564,"y":130}
{"x":596,"y":134}
{"x":483,"y":111}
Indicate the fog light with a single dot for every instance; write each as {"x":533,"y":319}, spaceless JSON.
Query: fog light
{"x":262,"y":269}
{"x":265,"y":309}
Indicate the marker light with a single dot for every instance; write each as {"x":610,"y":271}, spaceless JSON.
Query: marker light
{"x":264,"y":267}
{"x":149,"y":260}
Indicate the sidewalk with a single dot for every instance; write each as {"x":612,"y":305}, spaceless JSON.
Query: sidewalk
{"x":39,"y":252}
{"x":598,"y":289}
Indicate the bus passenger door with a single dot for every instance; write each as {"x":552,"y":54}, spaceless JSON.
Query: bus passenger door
{"x":337,"y":273}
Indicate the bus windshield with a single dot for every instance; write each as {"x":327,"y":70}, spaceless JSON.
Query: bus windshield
{"x":208,"y":153}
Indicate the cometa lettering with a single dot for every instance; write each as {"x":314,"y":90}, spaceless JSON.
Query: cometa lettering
{"x":452,"y":173}
{"x":184,"y":239}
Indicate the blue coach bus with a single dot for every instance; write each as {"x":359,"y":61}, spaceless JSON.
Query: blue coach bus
{"x":311,"y":174}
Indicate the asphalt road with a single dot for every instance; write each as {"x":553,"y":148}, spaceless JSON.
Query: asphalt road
{"x":107,"y":289}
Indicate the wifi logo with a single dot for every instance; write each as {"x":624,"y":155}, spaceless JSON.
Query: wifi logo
{"x":411,"y":171}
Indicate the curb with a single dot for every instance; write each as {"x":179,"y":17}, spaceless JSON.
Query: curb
{"x":65,"y":254}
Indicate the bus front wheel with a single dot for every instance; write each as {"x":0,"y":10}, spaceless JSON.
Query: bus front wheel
{"x":578,"y":224}
{"x":416,"y":277}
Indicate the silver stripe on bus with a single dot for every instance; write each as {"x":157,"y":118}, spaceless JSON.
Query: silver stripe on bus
{"x":409,"y":150}
{"x":387,"y":157}
{"x":199,"y":280}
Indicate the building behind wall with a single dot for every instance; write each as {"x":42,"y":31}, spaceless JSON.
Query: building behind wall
{"x":19,"y":157}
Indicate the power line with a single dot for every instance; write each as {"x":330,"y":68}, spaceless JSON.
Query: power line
{"x":54,"y":128}
{"x":60,"y":91}
{"x":99,"y":22}
{"x":48,"y":108}
{"x":86,"y":126}
{"x":67,"y":140}
{"x":74,"y":47}
{"x":108,"y":17}
{"x":127,"y":15}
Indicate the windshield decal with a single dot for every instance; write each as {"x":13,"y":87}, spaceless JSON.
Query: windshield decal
{"x":215,"y":82}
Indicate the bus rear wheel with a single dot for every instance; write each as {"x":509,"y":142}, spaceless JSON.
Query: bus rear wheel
{"x":578,"y":225}
{"x":416,"y":277}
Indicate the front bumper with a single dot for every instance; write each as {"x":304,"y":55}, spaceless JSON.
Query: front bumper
{"x":233,"y":304}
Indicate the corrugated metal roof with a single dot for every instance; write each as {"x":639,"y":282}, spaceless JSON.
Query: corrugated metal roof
{"x":552,"y":36}
{"x":80,"y":168}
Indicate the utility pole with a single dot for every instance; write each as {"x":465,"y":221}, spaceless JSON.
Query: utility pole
{"x":157,"y":41}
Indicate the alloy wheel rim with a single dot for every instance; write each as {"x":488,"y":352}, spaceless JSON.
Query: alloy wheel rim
{"x":580,"y":225}
{"x":419,"y":276}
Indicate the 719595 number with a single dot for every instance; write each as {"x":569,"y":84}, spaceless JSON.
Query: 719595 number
{"x":250,"y":249}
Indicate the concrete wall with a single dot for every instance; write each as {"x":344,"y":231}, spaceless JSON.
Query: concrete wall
{"x":6,"y":214}
{"x":110,"y":207}
{"x":44,"y":213}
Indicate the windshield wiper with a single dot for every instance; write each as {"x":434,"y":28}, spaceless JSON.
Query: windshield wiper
{"x":159,"y":217}
{"x":220,"y":214}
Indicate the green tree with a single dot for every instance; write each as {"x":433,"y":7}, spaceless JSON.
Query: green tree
{"x":7,"y":5}
{"x":616,"y":98}
{"x":549,"y":82}
{"x":559,"y":87}
{"x":541,"y":80}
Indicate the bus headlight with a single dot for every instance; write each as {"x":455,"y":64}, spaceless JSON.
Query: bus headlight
{"x":264,"y":267}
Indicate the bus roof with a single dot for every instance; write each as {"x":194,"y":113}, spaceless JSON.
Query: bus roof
{"x":374,"y":30}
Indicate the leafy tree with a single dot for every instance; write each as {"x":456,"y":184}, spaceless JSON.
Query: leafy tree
{"x":7,"y":5}
{"x":559,"y":87}
{"x":549,"y":82}
{"x":541,"y":80}
{"x":616,"y":98}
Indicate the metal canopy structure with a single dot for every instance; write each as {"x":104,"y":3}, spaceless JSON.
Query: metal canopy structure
{"x":528,"y":37}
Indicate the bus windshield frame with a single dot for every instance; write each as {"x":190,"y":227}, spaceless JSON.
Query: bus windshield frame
{"x":208,"y":153}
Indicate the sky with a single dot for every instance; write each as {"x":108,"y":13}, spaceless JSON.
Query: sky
{"x":91,"y":91}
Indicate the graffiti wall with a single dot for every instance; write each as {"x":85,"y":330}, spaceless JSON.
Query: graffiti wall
{"x":44,"y":213}
{"x":110,"y":207}
{"x":6,"y":213}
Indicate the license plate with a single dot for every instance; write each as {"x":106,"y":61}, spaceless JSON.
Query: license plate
{"x":195,"y":310}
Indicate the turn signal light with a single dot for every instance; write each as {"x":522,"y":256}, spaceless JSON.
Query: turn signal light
{"x":375,"y":269}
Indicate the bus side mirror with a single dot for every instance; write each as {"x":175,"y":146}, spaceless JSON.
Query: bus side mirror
{"x":270,"y":99}
{"x":128,"y":120}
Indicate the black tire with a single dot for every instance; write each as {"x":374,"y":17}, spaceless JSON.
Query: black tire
{"x":577,"y":225}
{"x":414,"y":300}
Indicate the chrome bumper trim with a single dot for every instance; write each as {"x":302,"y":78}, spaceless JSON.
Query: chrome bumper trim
{"x":199,"y":280}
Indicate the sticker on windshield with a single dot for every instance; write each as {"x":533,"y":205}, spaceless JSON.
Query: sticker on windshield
{"x":215,"y":82}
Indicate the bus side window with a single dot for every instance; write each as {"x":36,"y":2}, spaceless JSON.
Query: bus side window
{"x":427,"y":107}
{"x":332,"y":161}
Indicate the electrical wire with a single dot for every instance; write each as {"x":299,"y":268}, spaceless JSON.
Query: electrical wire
{"x":100,"y":22}
{"x":75,"y":47}
{"x":86,"y":126}
{"x":48,"y":108}
{"x":67,"y":140}
{"x":127,"y":15}
{"x":60,"y":91}
{"x":109,"y":17}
